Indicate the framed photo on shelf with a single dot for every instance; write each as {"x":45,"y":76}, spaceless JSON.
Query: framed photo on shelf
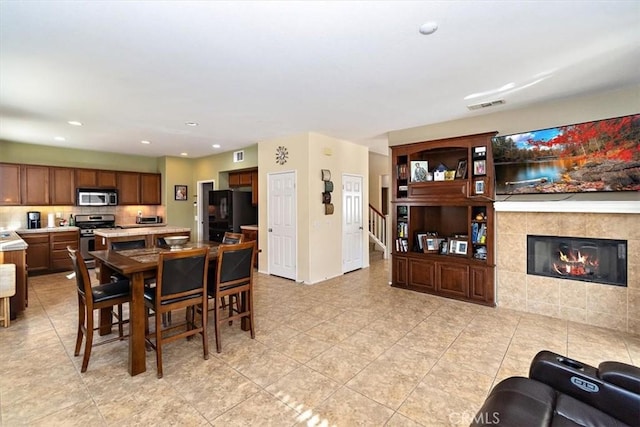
{"x":419,"y":170}
{"x":461,"y":170}
{"x":420,"y":237}
{"x":453,"y":244}
{"x":480,"y":167}
{"x":461,"y":247}
{"x":180,"y":192}
{"x":444,"y":247}
{"x":432,"y":244}
{"x":478,"y":186}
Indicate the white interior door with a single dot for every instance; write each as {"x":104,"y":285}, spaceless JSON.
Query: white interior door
{"x":282,"y":231}
{"x":352,"y":223}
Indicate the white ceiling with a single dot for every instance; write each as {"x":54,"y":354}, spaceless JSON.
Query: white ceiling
{"x":251,"y":71}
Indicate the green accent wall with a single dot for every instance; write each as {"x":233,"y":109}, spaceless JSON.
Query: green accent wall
{"x":33,"y":154}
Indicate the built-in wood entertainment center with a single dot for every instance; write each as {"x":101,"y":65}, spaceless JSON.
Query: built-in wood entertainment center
{"x":443,"y":218}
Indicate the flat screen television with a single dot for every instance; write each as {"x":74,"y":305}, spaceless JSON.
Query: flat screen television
{"x":602,"y":155}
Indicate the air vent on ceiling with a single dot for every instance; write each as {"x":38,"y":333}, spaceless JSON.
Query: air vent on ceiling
{"x":485,"y":104}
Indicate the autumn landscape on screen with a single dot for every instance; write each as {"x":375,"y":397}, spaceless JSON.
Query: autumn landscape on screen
{"x":601,"y":155}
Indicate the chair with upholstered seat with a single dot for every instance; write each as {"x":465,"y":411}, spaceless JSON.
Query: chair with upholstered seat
{"x":181,"y":284}
{"x":234,"y":276}
{"x":91,"y":298}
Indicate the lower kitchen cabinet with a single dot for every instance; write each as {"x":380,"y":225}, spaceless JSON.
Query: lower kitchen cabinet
{"x":38,"y":252}
{"x":47,"y":252}
{"x":59,"y":241}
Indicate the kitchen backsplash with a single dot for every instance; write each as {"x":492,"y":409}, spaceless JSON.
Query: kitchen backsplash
{"x":15,"y":217}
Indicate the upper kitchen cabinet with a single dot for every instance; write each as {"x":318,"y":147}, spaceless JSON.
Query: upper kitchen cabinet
{"x":34,"y":185}
{"x":150,"y":193}
{"x":139,"y":188}
{"x":10,"y":188}
{"x":63,"y":187}
{"x":128,"y":188}
{"x":93,"y":178}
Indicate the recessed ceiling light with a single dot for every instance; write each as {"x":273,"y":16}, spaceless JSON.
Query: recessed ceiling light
{"x":184,"y":154}
{"x":216,"y":145}
{"x":74,"y":123}
{"x":191,"y":124}
{"x":428,"y":28}
{"x":59,"y":138}
{"x":144,"y":141}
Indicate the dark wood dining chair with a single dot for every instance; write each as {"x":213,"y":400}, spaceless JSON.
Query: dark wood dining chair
{"x":181,"y":284}
{"x":91,"y":298}
{"x":234,"y":276}
{"x":229,"y":238}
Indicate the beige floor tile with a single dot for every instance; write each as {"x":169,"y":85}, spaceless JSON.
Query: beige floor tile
{"x":380,"y":382}
{"x":81,"y":414}
{"x":338,"y":364}
{"x":347,"y":408}
{"x":303,"y":347}
{"x":262,"y":409}
{"x":303,"y":389}
{"x":351,"y":351}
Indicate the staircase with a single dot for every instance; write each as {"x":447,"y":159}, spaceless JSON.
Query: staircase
{"x":378,"y":234}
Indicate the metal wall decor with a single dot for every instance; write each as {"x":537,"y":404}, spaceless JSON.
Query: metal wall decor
{"x":282,"y":154}
{"x":326,"y":194}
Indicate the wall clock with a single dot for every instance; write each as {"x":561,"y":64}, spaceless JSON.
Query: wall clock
{"x":281,"y":155}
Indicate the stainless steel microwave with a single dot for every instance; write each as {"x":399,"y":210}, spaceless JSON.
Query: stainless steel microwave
{"x":96,"y":197}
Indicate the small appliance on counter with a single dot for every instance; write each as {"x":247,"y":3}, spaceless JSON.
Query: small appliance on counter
{"x":148,"y":219}
{"x":33,"y":220}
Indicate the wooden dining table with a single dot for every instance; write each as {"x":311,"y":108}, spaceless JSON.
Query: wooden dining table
{"x":137,"y":265}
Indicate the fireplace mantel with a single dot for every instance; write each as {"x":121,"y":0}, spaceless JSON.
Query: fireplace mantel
{"x":570,"y":206}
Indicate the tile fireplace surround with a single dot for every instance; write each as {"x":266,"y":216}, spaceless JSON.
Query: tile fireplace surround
{"x":607,"y":306}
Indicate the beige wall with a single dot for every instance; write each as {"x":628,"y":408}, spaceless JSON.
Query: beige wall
{"x":608,"y":306}
{"x":319,"y":244}
{"x":210,"y":167}
{"x":560,"y":112}
{"x":379,"y":165}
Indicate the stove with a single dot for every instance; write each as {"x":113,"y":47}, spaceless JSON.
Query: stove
{"x":87,"y":224}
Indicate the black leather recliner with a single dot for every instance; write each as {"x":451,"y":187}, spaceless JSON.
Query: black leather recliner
{"x":564,"y":392}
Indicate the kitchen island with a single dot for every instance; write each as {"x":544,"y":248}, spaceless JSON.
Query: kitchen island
{"x":13,"y":250}
{"x":147,"y":237}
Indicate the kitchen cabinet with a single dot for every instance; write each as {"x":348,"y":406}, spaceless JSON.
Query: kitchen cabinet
{"x":63,"y":187}
{"x":47,"y":251}
{"x":34,"y":185}
{"x":19,"y":301}
{"x":38,"y":252}
{"x":128,"y":188}
{"x":246,"y":178}
{"x":250,"y":234}
{"x":254,"y":188}
{"x":95,"y":178}
{"x":10,"y":188}
{"x":150,"y":193}
{"x":37,"y":185}
{"x":444,"y":223}
{"x":59,"y":256}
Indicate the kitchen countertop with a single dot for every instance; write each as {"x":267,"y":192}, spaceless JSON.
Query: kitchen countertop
{"x":47,"y":229}
{"x":249,"y":227}
{"x":140,"y":230}
{"x":11,"y":241}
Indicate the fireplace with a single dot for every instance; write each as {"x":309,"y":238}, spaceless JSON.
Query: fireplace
{"x":575,"y":258}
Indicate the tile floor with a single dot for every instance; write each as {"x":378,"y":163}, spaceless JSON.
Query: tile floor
{"x":349,"y":351}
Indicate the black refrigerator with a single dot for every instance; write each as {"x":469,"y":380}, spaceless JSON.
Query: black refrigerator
{"x":228,"y":210}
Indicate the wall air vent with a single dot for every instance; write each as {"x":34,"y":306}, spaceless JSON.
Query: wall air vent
{"x":485,"y":104}
{"x":238,"y":156}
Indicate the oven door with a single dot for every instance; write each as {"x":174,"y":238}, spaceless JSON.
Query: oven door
{"x":88,"y":244}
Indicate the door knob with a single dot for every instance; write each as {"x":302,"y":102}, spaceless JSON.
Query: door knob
{"x":270,"y":230}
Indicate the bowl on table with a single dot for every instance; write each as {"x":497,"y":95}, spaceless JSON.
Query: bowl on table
{"x":176,"y":242}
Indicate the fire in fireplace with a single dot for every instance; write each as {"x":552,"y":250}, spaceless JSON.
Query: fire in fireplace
{"x":587,"y":259}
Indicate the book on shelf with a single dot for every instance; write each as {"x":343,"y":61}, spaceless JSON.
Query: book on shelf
{"x":402,"y":172}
